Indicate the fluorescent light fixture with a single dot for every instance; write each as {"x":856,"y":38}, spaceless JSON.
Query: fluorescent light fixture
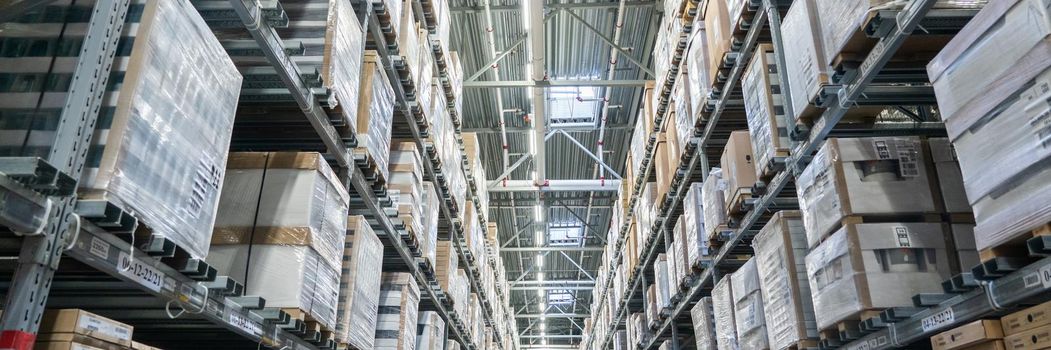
{"x":539,"y":260}
{"x":538,"y":213}
{"x":525,"y":15}
{"x":540,"y":277}
{"x":540,"y":293}
{"x":532,"y":142}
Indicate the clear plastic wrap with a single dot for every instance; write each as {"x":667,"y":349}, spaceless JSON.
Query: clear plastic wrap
{"x":805,"y":66}
{"x":723,"y":308}
{"x":698,"y":82}
{"x":749,"y":316}
{"x":359,"y":285}
{"x":704,"y":324}
{"x":375,"y":113}
{"x":452,"y":345}
{"x":409,"y":41}
{"x":697,"y":248}
{"x":456,"y":79}
{"x":681,"y":253}
{"x":863,"y":176}
{"x":179,"y":79}
{"x":764,"y":106}
{"x":425,"y":78}
{"x":685,"y":123}
{"x":342,"y":64}
{"x":639,"y":138}
{"x":443,"y":20}
{"x":430,"y":331}
{"x":431,"y":208}
{"x":399,"y":303}
{"x":780,"y":249}
{"x":714,"y":207}
{"x":719,"y":37}
{"x":651,"y":305}
{"x":874,"y":266}
{"x":660,"y":276}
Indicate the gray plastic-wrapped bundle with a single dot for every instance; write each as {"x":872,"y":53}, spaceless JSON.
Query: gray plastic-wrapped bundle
{"x":452,"y":345}
{"x":281,"y":230}
{"x":682,"y":257}
{"x":430,"y":331}
{"x":685,"y":118}
{"x":399,"y":303}
{"x":764,"y":107}
{"x":660,"y":276}
{"x":704,"y":324}
{"x":748,"y":307}
{"x":696,"y":65}
{"x":875,"y":266}
{"x":780,"y":248}
{"x":431,"y":209}
{"x":639,"y":137}
{"x":714,"y":207}
{"x":620,"y":340}
{"x":697,"y":248}
{"x":863,"y":176}
{"x":359,"y":285}
{"x":652,"y":314}
{"x":805,"y":64}
{"x":996,"y":121}
{"x":644,"y":212}
{"x":375,"y":113}
{"x":723,"y":308}
{"x":341,"y":67}
{"x":409,"y":42}
{"x":442,"y":19}
{"x":160,"y":144}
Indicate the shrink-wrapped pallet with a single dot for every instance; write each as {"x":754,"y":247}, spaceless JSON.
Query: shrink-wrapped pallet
{"x":765,"y":110}
{"x":739,"y":172}
{"x":431,"y":208}
{"x":697,"y":248}
{"x":359,"y":285}
{"x":445,"y":265}
{"x":875,"y":266}
{"x":704,"y":324}
{"x":719,"y":38}
{"x":682,"y":257}
{"x":863,"y":176}
{"x":375,"y":114}
{"x":749,"y":316}
{"x":992,"y":82}
{"x":652,"y":313}
{"x":644,"y":212}
{"x":714,"y":208}
{"x":723,"y":309}
{"x":409,"y":42}
{"x":805,"y":65}
{"x":430,"y":331}
{"x":696,"y":66}
{"x":399,"y":303}
{"x":281,"y":230}
{"x":662,"y":280}
{"x":342,"y":68}
{"x":780,"y":249}
{"x":159,"y":147}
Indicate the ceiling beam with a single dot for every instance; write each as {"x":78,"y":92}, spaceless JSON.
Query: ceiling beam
{"x":555,"y":186}
{"x":551,"y":249}
{"x":553,"y":315}
{"x":488,"y":84}
{"x":595,"y":6}
{"x":518,"y":129}
{"x":553,"y":288}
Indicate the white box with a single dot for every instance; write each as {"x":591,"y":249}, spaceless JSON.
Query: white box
{"x":359,"y":285}
{"x":780,"y":252}
{"x":399,"y":303}
{"x":430,"y":334}
{"x":749,"y":318}
{"x":723,"y":308}
{"x":704,"y":324}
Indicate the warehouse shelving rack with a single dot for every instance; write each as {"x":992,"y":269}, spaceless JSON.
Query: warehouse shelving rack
{"x":892,"y":28}
{"x":38,"y":201}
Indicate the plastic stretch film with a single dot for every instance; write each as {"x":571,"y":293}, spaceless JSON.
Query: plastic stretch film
{"x":660,"y":274}
{"x":639,"y":138}
{"x":375,"y":113}
{"x":704,"y":324}
{"x":685,"y":123}
{"x":714,"y":207}
{"x":431,"y":209}
{"x":359,"y":285}
{"x":409,"y":42}
{"x":430,"y":331}
{"x":697,"y":248}
{"x":696,"y":64}
{"x":764,"y":106}
{"x":748,"y":307}
{"x":399,"y":301}
{"x":678,"y":247}
{"x":805,"y":64}
{"x":342,"y":62}
{"x":723,"y":308}
{"x":160,"y":144}
{"x":780,"y":249}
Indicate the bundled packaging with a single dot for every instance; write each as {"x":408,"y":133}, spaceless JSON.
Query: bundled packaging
{"x":992,"y":82}
{"x":697,"y":249}
{"x":430,"y":329}
{"x":375,"y":114}
{"x":652,"y":314}
{"x":359,"y":285}
{"x":399,"y":303}
{"x":431,"y":209}
{"x":70,"y":328}
{"x":748,"y":307}
{"x":805,"y":65}
{"x":739,"y":172}
{"x":863,"y":176}
{"x":719,"y":38}
{"x":343,"y":69}
{"x":281,"y":230}
{"x":971,"y":336}
{"x":1029,"y":328}
{"x":704,"y":324}
{"x":765,"y":110}
{"x":473,"y":232}
{"x":663,"y":281}
{"x":723,"y":308}
{"x":406,"y":185}
{"x":159,"y":148}
{"x":696,"y":66}
{"x":780,"y":252}
{"x":875,"y":266}
{"x":714,"y":208}
{"x":678,"y":250}
{"x":460,"y":292}
{"x":446,"y":264}
{"x":409,"y":42}
{"x":948,"y":175}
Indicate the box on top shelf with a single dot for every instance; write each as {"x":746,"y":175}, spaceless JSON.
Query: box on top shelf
{"x":723,"y":308}
{"x":764,"y":107}
{"x":739,"y":172}
{"x":714,"y":209}
{"x":749,"y":316}
{"x":1000,"y":129}
{"x":968,"y":335}
{"x":375,"y":113}
{"x":79,"y":322}
{"x":697,"y":248}
{"x":884,"y":176}
{"x":430,"y":331}
{"x":704,"y":324}
{"x":181,"y":170}
{"x":342,"y":64}
{"x":719,"y":37}
{"x":780,"y":249}
{"x":399,"y":303}
{"x":870,"y":267}
{"x":359,"y":285}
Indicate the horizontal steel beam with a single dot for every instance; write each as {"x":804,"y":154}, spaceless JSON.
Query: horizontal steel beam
{"x":550,"y":249}
{"x":553,"y":287}
{"x":519,"y":129}
{"x":552,"y":336}
{"x":553,"y":83}
{"x":554,"y":282}
{"x":555,"y":186}
{"x":595,"y":5}
{"x":553,"y":315}
{"x":553,"y":347}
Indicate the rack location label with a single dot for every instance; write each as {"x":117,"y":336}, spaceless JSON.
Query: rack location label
{"x":144,"y":274}
{"x":938,"y":320}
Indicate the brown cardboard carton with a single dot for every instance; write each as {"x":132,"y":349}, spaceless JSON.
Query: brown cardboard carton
{"x":1027,"y":319}
{"x":81,"y":322}
{"x":738,"y":169}
{"x":1033,"y":339}
{"x":965,"y":336}
{"x":717,"y":29}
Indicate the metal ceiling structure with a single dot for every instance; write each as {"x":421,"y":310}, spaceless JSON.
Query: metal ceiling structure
{"x":586,"y":57}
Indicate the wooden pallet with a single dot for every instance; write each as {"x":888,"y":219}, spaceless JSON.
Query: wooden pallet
{"x":369,"y":167}
{"x":1009,"y":256}
{"x":847,"y":329}
{"x":772,"y":167}
{"x":315,"y":331}
{"x":736,"y":205}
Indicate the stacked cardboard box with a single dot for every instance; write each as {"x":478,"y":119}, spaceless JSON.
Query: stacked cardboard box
{"x":719,"y":37}
{"x":399,"y":301}
{"x":989,"y":81}
{"x":405,"y":183}
{"x":375,"y":113}
{"x":780,"y":250}
{"x":430,"y":331}
{"x":704,"y":324}
{"x":723,"y":309}
{"x":764,"y":107}
{"x":69,"y":329}
{"x":281,"y":230}
{"x":137,"y":346}
{"x":977,"y":335}
{"x":447,"y":262}
{"x":359,"y":285}
{"x":1029,"y":329}
{"x":739,"y":172}
{"x":749,"y":316}
{"x":182,"y":167}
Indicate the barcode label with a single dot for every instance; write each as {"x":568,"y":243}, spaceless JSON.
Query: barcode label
{"x":901,"y":236}
{"x":882,"y":149}
{"x":908,"y":159}
{"x":205,"y":186}
{"x":99,"y":248}
{"x":1031,"y":280}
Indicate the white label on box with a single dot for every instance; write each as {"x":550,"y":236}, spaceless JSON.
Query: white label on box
{"x":901,"y":236}
{"x":907,"y":158}
{"x":98,"y":326}
{"x":99,"y":248}
{"x":242,"y":322}
{"x":1045,"y":276}
{"x":139,"y":272}
{"x":1032,"y":280}
{"x":938,"y":320}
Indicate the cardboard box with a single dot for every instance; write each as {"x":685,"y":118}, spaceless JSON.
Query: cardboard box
{"x":739,"y":171}
{"x":723,"y":308}
{"x":1033,"y":339}
{"x":764,"y":107}
{"x":749,"y":316}
{"x":863,"y":176}
{"x":359,"y":285}
{"x":1027,"y":319}
{"x":76,"y":321}
{"x":875,"y":266}
{"x":780,"y":252}
{"x":399,"y":304}
{"x":71,"y":341}
{"x":948,"y":175}
{"x":805,"y":63}
{"x":965,"y":336}
{"x":663,"y":169}
{"x":719,"y":37}
{"x":704,"y":324}
{"x":140,"y":346}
